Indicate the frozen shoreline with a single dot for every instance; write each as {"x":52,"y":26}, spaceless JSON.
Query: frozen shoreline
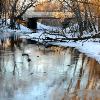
{"x":90,"y":48}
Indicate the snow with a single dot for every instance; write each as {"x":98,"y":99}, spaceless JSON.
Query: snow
{"x":41,"y":26}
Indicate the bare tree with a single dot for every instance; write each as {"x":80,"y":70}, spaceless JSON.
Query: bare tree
{"x":82,"y":13}
{"x":3,"y":11}
{"x":14,"y":9}
{"x":0,"y":8}
{"x":18,"y":9}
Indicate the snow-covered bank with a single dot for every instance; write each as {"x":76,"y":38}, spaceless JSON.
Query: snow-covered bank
{"x":6,"y":32}
{"x":41,"y":26}
{"x":90,"y":48}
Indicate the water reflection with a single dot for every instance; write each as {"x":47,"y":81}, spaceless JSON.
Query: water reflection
{"x":30,"y":72}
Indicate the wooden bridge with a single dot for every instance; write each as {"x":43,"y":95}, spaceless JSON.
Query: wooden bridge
{"x":32,"y":17}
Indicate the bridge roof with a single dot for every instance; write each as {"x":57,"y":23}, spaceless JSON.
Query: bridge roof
{"x":53,"y":15}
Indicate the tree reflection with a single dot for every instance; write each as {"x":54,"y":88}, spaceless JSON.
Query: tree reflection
{"x":86,"y":79}
{"x":55,"y":69}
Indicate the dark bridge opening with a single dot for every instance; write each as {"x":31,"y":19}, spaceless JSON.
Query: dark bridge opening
{"x":32,"y":23}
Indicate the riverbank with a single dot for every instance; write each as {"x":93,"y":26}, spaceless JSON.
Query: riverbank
{"x":90,"y":47}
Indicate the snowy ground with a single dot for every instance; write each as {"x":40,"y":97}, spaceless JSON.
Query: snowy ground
{"x":90,"y":48}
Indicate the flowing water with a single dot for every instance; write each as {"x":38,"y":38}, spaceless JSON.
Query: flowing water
{"x":31,"y":72}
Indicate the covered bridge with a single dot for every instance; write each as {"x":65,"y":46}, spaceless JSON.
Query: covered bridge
{"x":33,"y":17}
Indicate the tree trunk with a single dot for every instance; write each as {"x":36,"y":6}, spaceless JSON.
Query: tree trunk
{"x":99,"y":22}
{"x":80,"y":23}
{"x":0,"y":9}
{"x":13,"y":19}
{"x":12,"y":23}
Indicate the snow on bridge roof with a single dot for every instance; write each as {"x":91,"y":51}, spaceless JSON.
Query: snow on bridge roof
{"x":47,"y":15}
